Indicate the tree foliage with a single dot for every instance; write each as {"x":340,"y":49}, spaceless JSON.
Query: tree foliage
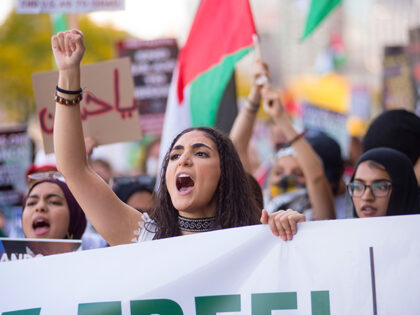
{"x":25,"y":48}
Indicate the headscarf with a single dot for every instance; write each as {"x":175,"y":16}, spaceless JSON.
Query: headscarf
{"x":77,"y":222}
{"x":397,"y":129}
{"x":404,"y":197}
{"x":330,"y":153}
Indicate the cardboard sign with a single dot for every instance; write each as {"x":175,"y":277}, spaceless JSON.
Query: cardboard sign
{"x":152,"y":65}
{"x":397,"y":87}
{"x":12,"y":249}
{"x":332,"y":123}
{"x":15,"y":158}
{"x":109,"y":113}
{"x":413,"y":53}
{"x":67,"y":6}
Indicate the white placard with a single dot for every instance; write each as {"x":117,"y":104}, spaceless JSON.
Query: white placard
{"x":353,"y":266}
{"x":67,"y":6}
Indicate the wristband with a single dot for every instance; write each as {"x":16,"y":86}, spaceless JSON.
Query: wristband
{"x":64,"y":101}
{"x":67,"y":91}
{"x":253,"y":107}
{"x":296,"y":138}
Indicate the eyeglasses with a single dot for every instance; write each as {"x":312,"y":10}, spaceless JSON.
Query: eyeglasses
{"x":378,"y":189}
{"x":146,"y":181}
{"x":34,"y":177}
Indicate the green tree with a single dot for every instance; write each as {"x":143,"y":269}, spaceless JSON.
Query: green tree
{"x":25,"y":49}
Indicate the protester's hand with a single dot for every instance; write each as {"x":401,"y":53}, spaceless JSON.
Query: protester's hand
{"x":271,"y":102}
{"x":68,"y":48}
{"x":260,"y":73}
{"x":90,"y":144}
{"x":283,"y":223}
{"x":260,"y":77}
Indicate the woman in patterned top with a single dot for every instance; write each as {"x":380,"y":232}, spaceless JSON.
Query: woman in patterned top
{"x":202,"y":185}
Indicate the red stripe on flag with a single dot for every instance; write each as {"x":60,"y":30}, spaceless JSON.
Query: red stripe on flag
{"x":220,"y":27}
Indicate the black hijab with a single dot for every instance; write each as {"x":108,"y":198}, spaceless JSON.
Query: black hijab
{"x":397,"y":129}
{"x":404,"y":195}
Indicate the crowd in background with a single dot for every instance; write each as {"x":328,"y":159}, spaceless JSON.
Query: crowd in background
{"x":306,"y":173}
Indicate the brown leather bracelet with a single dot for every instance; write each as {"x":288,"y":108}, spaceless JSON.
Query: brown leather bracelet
{"x":253,"y":107}
{"x":296,"y":138}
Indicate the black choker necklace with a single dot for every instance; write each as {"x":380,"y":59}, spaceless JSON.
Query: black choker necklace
{"x":196,"y":225}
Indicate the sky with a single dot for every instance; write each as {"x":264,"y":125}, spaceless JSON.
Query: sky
{"x":145,"y":19}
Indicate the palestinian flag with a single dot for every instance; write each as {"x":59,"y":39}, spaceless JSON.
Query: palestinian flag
{"x":318,"y":11}
{"x":221,"y":34}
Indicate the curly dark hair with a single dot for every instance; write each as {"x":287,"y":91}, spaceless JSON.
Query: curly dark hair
{"x":235,"y":205}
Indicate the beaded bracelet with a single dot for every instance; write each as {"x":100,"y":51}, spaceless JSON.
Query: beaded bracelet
{"x":63,"y":101}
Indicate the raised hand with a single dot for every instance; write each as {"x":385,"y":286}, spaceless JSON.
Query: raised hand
{"x":283,"y":223}
{"x":68,"y":48}
{"x":271,"y":102}
{"x":260,"y":73}
{"x":260,"y":77}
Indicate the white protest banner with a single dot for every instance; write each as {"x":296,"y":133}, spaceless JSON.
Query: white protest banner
{"x":354,"y":266}
{"x":109,"y":113}
{"x":67,"y":6}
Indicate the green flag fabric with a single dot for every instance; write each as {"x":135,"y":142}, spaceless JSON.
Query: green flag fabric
{"x":318,"y":11}
{"x":59,"y":22}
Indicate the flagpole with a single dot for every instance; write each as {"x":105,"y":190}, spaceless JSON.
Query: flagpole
{"x":261,"y":80}
{"x":257,"y":47}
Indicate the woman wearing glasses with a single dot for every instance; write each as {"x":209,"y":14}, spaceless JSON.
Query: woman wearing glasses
{"x":384,"y":183}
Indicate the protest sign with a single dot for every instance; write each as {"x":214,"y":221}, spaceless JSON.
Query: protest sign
{"x":397,"y":85}
{"x":353,"y":266}
{"x":67,"y":6}
{"x":23,"y":248}
{"x":413,"y":53}
{"x":152,"y":64}
{"x":332,"y":123}
{"x":109,"y":113}
{"x":15,"y":158}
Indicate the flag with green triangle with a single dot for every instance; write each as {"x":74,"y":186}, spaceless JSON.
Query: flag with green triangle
{"x":318,"y":11}
{"x":221,"y":34}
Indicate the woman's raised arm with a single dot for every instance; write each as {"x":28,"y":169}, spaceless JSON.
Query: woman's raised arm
{"x":113,"y":219}
{"x":243,"y":125}
{"x":319,"y":190}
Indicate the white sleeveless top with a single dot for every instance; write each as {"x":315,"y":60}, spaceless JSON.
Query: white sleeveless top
{"x":146,"y":231}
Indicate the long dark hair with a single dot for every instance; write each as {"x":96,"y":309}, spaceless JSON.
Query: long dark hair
{"x":234,"y":206}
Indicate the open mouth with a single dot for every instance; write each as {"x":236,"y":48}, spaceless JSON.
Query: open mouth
{"x":41,"y":226}
{"x":184,"y":183}
{"x":368,"y":210}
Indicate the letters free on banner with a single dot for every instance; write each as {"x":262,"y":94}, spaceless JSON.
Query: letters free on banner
{"x":354,"y":266}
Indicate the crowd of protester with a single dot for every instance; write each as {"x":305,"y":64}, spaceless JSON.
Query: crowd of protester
{"x":207,"y":179}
